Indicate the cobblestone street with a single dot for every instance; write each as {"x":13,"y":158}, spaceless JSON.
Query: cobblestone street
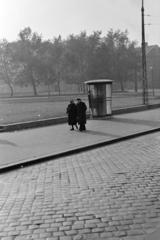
{"x":111,"y":193}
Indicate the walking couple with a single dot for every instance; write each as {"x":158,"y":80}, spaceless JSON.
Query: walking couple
{"x":77,"y":114}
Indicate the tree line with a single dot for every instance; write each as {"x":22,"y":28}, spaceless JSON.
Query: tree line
{"x":31,"y":61}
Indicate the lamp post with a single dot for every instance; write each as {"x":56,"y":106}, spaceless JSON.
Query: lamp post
{"x":151,"y":68}
{"x":144,"y":67}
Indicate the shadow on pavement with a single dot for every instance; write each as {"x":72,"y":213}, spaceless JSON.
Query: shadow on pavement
{"x":150,"y":123}
{"x":7,"y":143}
{"x":100,"y":133}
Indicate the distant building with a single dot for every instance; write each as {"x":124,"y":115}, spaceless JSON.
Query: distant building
{"x":153,"y":65}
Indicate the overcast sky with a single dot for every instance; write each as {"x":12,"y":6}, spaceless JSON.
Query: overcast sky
{"x":63,"y":17}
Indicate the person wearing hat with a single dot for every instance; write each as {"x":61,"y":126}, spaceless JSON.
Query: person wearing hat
{"x":81,"y":114}
{"x":72,"y":115}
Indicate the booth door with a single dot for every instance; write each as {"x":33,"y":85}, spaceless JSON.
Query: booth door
{"x":97,"y":99}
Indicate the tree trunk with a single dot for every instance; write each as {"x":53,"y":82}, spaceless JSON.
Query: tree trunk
{"x":58,"y":79}
{"x":8,"y":79}
{"x":8,"y":83}
{"x":121,"y":82}
{"x":136,"y":85}
{"x":34,"y":89}
{"x":11,"y":89}
{"x":33,"y":84}
{"x":59,"y":90}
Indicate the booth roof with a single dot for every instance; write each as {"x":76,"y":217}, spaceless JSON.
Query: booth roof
{"x":99,"y":81}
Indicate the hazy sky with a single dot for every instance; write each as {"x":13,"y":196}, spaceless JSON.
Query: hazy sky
{"x":63,"y":17}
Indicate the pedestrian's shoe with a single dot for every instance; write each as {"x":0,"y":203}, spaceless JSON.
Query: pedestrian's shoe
{"x":72,"y":129}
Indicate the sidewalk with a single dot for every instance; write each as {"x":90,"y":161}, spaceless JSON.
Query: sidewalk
{"x":109,"y":193}
{"x":21,"y":147}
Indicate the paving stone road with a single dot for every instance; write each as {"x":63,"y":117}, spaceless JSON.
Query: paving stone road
{"x":111,"y":193}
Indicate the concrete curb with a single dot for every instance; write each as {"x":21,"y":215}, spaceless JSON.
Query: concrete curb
{"x":37,"y":160}
{"x":58,"y":120}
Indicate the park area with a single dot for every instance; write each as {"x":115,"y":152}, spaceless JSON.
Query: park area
{"x":23,"y":109}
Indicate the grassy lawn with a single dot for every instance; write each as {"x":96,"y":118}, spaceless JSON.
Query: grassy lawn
{"x":36,"y":108}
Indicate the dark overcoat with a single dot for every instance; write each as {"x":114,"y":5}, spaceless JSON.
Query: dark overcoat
{"x":72,"y":114}
{"x":81,"y":112}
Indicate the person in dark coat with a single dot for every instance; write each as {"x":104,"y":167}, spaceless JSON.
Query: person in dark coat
{"x":81,"y":113}
{"x":72,"y":115}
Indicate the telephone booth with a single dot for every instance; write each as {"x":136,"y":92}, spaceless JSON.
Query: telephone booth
{"x":100,"y":97}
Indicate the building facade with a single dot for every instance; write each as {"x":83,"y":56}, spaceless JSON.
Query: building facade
{"x":153,"y":66}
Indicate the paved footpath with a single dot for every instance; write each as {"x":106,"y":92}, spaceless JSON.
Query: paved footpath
{"x":109,"y":193}
{"x":28,"y":145}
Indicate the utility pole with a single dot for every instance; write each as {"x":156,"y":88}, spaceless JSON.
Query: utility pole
{"x":144,"y":67}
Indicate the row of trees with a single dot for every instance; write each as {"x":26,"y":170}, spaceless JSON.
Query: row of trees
{"x":32,"y":61}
